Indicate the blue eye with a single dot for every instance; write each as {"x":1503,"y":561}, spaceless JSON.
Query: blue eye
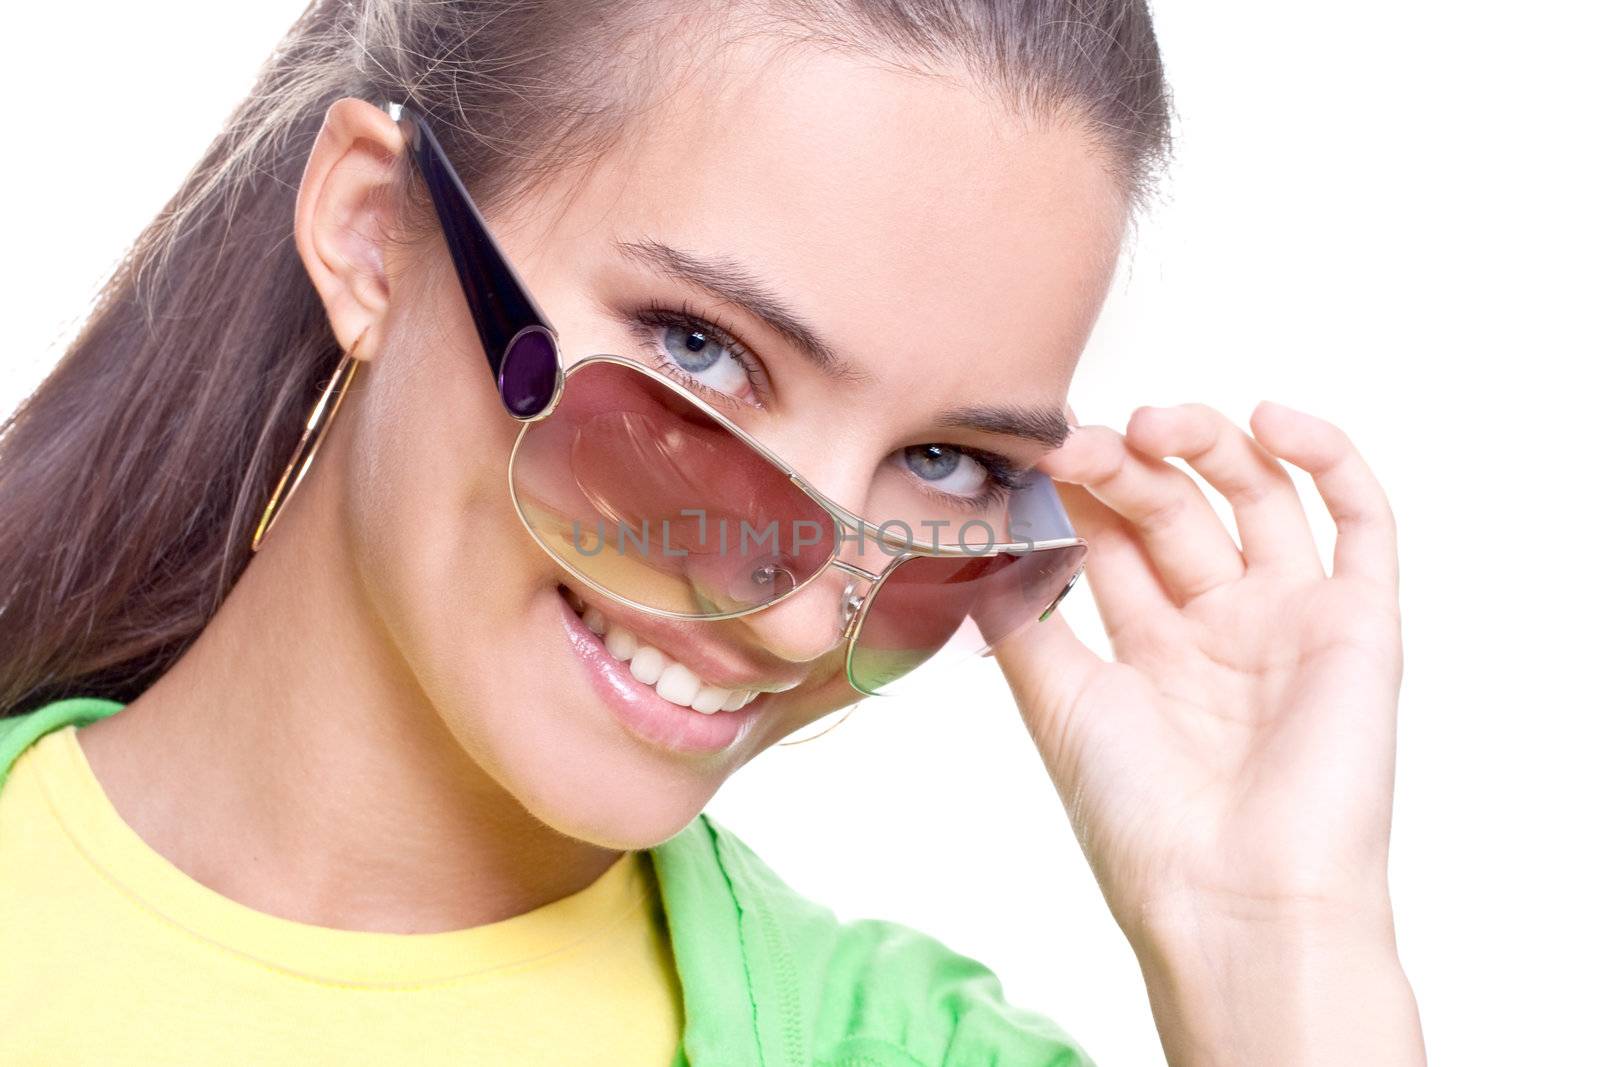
{"x":700,"y":352}
{"x":949,"y":468}
{"x":693,"y":350}
{"x":932,"y":462}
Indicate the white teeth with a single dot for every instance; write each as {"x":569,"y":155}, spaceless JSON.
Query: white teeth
{"x":673,"y":681}
{"x":648,"y":664}
{"x":707,"y":700}
{"x":679,"y":685}
{"x":621,"y":644}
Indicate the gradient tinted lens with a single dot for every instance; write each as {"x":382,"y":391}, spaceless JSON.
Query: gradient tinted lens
{"x":642,"y":492}
{"x":956,"y":605}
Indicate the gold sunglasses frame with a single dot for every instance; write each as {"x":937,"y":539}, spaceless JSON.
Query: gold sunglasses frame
{"x":855,"y":605}
{"x":512,"y":326}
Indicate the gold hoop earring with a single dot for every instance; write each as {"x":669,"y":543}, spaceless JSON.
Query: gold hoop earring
{"x":848,"y":712}
{"x":305,"y":451}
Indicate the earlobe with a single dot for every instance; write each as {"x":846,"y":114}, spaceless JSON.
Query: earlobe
{"x":343,"y":214}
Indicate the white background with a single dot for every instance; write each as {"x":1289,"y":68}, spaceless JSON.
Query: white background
{"x":1382,"y":213}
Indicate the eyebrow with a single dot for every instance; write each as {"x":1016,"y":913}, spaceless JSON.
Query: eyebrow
{"x":1045,"y":425}
{"x":728,"y":280}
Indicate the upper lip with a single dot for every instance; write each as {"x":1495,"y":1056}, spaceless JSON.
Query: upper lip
{"x":685,"y":641}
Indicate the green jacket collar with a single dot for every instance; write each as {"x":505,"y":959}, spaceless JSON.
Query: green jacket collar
{"x":772,"y":979}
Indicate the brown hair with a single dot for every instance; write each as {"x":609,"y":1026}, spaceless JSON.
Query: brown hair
{"x":131,"y":478}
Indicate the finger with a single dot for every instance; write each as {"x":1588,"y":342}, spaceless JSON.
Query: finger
{"x":1365,"y":545}
{"x":1182,"y":533}
{"x":1122,"y":580}
{"x":1266,"y":506}
{"x":1046,"y":665}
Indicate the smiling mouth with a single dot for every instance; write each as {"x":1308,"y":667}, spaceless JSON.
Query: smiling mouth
{"x":672,"y":681}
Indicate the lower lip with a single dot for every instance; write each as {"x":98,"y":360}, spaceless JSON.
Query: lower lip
{"x":641,"y":710}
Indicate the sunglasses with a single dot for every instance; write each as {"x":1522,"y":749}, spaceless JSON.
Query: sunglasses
{"x":645,"y":493}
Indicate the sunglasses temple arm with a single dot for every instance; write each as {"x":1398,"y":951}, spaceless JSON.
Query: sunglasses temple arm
{"x":518,"y":339}
{"x":1036,"y":512}
{"x":1039,"y":512}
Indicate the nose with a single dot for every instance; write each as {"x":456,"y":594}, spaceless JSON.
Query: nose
{"x":812,"y":623}
{"x":809,"y":624}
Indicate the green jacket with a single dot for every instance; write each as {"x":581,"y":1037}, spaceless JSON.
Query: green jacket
{"x":771,"y":979}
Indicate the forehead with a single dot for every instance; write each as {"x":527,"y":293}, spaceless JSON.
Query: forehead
{"x":910,"y":217}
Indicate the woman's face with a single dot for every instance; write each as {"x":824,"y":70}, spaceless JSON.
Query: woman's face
{"x":948,"y":258}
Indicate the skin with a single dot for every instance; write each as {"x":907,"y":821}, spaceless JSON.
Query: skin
{"x":386,"y":726}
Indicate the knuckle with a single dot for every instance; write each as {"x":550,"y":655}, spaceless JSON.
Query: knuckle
{"x":1385,"y":514}
{"x":1163,"y":514}
{"x":1206,"y":434}
{"x":1340,"y":440}
{"x":1248,"y":492}
{"x":1202,"y":411}
{"x":1091,"y":455}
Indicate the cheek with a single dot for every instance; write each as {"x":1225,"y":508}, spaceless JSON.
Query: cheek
{"x":442,"y":555}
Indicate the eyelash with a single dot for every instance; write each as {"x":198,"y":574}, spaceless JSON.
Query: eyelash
{"x":1005,"y":477}
{"x":653,"y":316}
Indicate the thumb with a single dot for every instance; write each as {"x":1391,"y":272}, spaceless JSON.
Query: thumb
{"x":1047,"y":667}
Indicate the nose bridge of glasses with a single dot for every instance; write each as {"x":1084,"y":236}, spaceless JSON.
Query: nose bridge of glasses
{"x":854,"y":571}
{"x":808,"y":625}
{"x":855,"y":589}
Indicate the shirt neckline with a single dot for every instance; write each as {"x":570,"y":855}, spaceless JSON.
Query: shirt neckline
{"x":322,"y":954}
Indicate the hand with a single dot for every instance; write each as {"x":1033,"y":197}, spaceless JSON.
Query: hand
{"x":1230,"y":773}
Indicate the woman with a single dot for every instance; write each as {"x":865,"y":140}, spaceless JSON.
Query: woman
{"x":365,"y":759}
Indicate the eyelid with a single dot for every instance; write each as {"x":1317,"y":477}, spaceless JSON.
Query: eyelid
{"x":1004,"y":478}
{"x":1010,"y":474}
{"x":655,"y":315}
{"x":995,"y":493}
{"x":1003,"y":469}
{"x":1005,"y":475}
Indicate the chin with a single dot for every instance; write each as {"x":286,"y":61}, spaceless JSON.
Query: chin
{"x":617,"y":729}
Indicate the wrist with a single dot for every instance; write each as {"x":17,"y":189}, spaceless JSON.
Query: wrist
{"x":1286,"y":983}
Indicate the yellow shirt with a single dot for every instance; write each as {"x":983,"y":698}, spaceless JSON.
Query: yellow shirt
{"x":111,"y":955}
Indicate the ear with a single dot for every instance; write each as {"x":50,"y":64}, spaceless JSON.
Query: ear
{"x":342,"y":216}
